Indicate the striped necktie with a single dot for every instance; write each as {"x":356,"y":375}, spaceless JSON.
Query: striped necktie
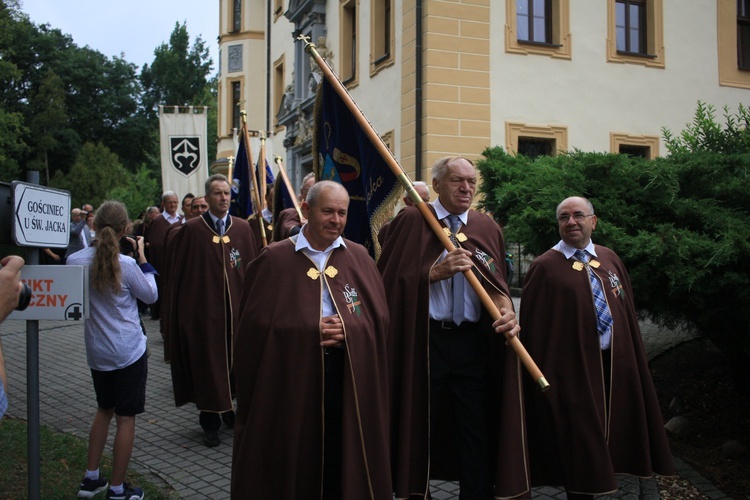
{"x":220,"y":226}
{"x":604,"y":319}
{"x":458,"y":281}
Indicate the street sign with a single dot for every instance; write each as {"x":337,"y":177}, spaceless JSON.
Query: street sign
{"x":41,"y":216}
{"x":58,"y":293}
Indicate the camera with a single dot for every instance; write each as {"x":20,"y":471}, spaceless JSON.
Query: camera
{"x":24,"y":298}
{"x":127,"y":248}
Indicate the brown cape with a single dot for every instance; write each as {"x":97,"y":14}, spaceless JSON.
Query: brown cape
{"x":278,"y":440}
{"x":166,"y":275}
{"x":155,"y":236}
{"x":573,"y":440}
{"x":287,"y":220}
{"x":410,"y":251}
{"x":211,"y":270}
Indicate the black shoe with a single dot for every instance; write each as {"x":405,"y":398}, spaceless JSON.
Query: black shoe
{"x":91,"y":487}
{"x":128,"y":493}
{"x":228,"y":419}
{"x":211,"y":439}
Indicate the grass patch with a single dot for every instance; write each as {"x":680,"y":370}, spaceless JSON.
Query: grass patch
{"x":63,"y":461}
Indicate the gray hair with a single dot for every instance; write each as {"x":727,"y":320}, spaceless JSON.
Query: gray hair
{"x":318,"y":187}
{"x":423,"y":184}
{"x":167,"y":194}
{"x":440,"y":168}
{"x":585,"y":200}
{"x":214,"y":178}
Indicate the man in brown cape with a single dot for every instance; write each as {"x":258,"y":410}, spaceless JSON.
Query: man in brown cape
{"x":600,"y":416}
{"x":198,"y":206}
{"x":155,"y":237}
{"x":312,"y":388}
{"x":212,"y":262}
{"x":438,"y":360}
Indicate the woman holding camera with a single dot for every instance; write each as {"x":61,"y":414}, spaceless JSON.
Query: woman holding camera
{"x":115,"y":346}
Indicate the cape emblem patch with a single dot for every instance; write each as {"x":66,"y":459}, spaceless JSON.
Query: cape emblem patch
{"x":234,"y":258}
{"x":351,"y":297}
{"x":486,"y":259}
{"x":615,"y":285}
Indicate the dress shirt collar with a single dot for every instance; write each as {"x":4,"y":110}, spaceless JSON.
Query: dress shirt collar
{"x":303,"y":243}
{"x":442,"y":213}
{"x":171,"y":219}
{"x":214,"y":219}
{"x":568,"y":250}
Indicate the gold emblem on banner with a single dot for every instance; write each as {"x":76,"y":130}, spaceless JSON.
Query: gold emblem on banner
{"x":331,"y":272}
{"x":578,"y":266}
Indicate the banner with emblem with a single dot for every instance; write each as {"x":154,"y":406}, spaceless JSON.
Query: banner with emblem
{"x":184,"y":150}
{"x":343,"y":153}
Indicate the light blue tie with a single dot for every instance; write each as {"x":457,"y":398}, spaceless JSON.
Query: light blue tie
{"x":604,"y":319}
{"x":458,"y":281}
{"x":220,"y":226}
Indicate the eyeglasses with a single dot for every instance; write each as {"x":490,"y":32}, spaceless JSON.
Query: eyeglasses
{"x":578,"y":217}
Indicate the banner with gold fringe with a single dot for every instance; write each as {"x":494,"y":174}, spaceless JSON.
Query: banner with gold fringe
{"x":343,"y":153}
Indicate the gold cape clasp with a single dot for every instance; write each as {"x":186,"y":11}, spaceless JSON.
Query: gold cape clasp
{"x":459,"y":236}
{"x":578,"y":265}
{"x":216,"y":239}
{"x":314,"y":274}
{"x":225,"y":238}
{"x":594,"y":263}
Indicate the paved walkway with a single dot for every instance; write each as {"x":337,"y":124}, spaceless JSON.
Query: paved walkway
{"x":169,"y":440}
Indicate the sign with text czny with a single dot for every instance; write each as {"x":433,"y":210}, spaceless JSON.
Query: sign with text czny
{"x":57,"y":293}
{"x":41,"y":216}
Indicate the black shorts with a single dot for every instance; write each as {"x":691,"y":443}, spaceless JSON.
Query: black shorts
{"x":123,"y":389}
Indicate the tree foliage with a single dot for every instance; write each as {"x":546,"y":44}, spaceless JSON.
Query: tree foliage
{"x":139,"y":193}
{"x":57,"y":97}
{"x":705,"y":134}
{"x":95,"y":172}
{"x":681,"y":224}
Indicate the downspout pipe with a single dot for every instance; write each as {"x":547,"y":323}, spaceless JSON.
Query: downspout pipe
{"x":269,"y":111}
{"x":418,"y":96}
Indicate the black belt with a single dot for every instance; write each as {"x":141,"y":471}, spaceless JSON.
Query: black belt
{"x":450,"y":325}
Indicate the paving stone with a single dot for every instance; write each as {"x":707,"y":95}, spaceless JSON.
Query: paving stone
{"x":168,"y":440}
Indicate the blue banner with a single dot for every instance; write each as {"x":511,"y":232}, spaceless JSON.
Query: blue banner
{"x":343,"y":153}
{"x":242,"y":201}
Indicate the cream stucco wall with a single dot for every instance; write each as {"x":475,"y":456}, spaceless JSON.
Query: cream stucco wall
{"x":592,"y":97}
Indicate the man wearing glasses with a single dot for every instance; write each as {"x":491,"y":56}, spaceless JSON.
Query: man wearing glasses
{"x":601,"y":416}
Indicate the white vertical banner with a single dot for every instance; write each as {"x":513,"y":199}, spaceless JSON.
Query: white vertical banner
{"x":184,"y":150}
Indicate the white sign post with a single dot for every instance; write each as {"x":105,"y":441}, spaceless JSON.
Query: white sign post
{"x":40,"y":220}
{"x":41,"y":216}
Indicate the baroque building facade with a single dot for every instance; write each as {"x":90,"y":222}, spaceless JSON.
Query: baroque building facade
{"x":453,"y":77}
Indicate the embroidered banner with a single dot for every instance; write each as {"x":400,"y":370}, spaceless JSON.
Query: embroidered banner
{"x":184,"y":162}
{"x":344,"y":154}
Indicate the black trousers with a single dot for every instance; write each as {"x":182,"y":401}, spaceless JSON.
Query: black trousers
{"x":459,"y":369}
{"x":333,"y":391}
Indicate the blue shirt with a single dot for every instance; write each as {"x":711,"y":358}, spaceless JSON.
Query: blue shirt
{"x":113,"y":333}
{"x":441,"y":293}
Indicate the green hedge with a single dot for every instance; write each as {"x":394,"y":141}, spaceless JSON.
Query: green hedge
{"x":681,"y":224}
